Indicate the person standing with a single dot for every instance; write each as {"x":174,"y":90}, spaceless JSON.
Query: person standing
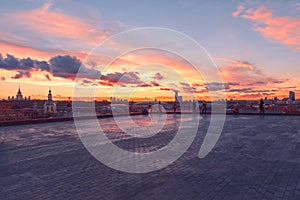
{"x":174,"y":106}
{"x":149,"y":107}
{"x":261,"y":107}
{"x":159,"y":106}
{"x":236,"y":109}
{"x":204,"y":108}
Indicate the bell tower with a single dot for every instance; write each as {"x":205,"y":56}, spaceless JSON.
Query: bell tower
{"x":49,"y":95}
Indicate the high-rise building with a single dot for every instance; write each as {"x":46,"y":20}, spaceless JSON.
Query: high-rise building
{"x":19,"y":95}
{"x":178,"y":98}
{"x":292,"y":96}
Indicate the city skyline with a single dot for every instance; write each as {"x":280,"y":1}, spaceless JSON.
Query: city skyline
{"x":255,"y":45}
{"x":291,"y":97}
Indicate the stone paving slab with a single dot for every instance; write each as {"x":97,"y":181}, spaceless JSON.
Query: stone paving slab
{"x":255,"y":158}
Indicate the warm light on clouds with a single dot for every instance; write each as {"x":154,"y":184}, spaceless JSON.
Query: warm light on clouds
{"x":240,"y":8}
{"x":282,"y":29}
{"x":44,"y":32}
{"x":245,"y":80}
{"x":55,"y":23}
{"x":24,"y":52}
{"x":43,"y":46}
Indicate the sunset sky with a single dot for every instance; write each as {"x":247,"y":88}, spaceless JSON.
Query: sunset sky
{"x":255,"y":44}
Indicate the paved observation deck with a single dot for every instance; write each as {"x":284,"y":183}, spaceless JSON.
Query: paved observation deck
{"x":255,"y":158}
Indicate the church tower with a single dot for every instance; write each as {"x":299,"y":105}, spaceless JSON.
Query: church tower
{"x":49,"y":96}
{"x":49,"y":106}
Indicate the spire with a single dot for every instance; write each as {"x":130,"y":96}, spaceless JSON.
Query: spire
{"x":19,"y":95}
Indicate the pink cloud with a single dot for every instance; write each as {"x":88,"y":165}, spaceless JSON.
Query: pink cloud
{"x":150,"y":56}
{"x":245,"y":80}
{"x":239,"y":10}
{"x":237,"y":63}
{"x":187,"y":88}
{"x":23,"y":51}
{"x":158,"y":76}
{"x":235,"y":71}
{"x":282,"y":29}
{"x":55,"y":23}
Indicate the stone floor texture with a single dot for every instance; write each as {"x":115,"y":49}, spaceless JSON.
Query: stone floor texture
{"x":255,"y":158}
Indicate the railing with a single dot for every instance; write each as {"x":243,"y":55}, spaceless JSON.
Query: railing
{"x":24,"y":114}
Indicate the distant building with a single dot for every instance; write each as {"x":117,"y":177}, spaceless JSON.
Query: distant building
{"x":292,"y":96}
{"x":285,"y":99}
{"x":178,"y":98}
{"x":19,"y":96}
{"x":49,"y":106}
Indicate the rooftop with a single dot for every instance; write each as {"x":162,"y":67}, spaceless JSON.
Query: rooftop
{"x":255,"y":157}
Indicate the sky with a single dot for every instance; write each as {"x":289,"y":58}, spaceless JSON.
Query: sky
{"x":255,"y":45}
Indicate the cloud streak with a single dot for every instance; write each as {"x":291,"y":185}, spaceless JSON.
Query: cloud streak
{"x":158,"y":76}
{"x":46,"y":31}
{"x":246,"y":73}
{"x":125,"y":79}
{"x":243,"y":79}
{"x":281,"y":29}
{"x":55,"y":23}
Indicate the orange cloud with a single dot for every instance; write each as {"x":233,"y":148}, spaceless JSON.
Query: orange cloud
{"x":24,"y":52}
{"x":237,"y":63}
{"x":40,"y":54}
{"x":56,"y":24}
{"x":283,"y":29}
{"x":241,"y":71}
{"x":159,"y":57}
{"x":244,"y":80}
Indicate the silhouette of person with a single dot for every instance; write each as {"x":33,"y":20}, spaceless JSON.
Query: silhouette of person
{"x":150,"y":107}
{"x":261,"y":107}
{"x":174,"y":106}
{"x":159,"y":106}
{"x":145,"y":111}
{"x":236,"y":109}
{"x":204,"y":108}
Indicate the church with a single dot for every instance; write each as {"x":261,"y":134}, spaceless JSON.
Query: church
{"x":49,"y":106}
